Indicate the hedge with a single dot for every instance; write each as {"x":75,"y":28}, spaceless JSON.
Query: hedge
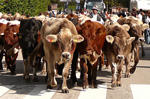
{"x":28,"y":7}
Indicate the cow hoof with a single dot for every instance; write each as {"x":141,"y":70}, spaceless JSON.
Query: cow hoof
{"x":127,"y":75}
{"x":132,"y":71}
{"x":1,"y":68}
{"x":119,"y":85}
{"x":27,"y":80}
{"x":65,"y":91}
{"x":49,"y":87}
{"x":13,"y":73}
{"x":95,"y":86}
{"x":113,"y":85}
{"x":35,"y":80}
{"x":85,"y":87}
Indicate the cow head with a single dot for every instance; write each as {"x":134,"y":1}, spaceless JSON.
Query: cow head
{"x":66,"y":42}
{"x":73,"y":18}
{"x":10,"y":35}
{"x":28,"y":34}
{"x":119,"y":45}
{"x":119,"y":42}
{"x":136,"y":27}
{"x":137,"y":30}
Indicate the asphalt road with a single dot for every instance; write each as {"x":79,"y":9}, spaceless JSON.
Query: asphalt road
{"x":137,"y":86}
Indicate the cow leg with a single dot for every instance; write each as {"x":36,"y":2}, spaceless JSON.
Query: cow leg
{"x":94,"y":75}
{"x":107,"y":63}
{"x":119,"y":69}
{"x":13,"y":68}
{"x":127,"y":63}
{"x":74,"y":67}
{"x":65,"y":74}
{"x":113,"y":71}
{"x":26,"y":72}
{"x":35,"y":79}
{"x":1,"y":57}
{"x":38,"y":63}
{"x":143,"y":52}
{"x":8,"y":62}
{"x":136,"y":59}
{"x":51,"y":74}
{"x":13,"y":63}
{"x":89,"y":73}
{"x":84,"y":68}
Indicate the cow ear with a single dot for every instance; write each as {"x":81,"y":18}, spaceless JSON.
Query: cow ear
{"x":144,"y":26}
{"x":39,"y":24}
{"x":126,"y":27}
{"x":77,"y":38}
{"x":51,"y":38}
{"x":130,"y":40}
{"x":110,"y":39}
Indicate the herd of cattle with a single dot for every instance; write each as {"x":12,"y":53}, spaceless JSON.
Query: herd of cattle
{"x":61,"y":41}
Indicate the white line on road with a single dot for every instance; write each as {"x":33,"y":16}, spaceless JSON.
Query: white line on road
{"x":40,"y":92}
{"x":140,"y":91}
{"x":98,"y":93}
{"x":4,"y":89}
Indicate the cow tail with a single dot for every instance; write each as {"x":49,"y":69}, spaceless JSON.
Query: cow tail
{"x":34,"y":52}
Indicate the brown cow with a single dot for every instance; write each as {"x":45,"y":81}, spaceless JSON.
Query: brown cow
{"x":11,"y":39}
{"x":117,"y":49}
{"x":90,"y":50}
{"x":59,"y":40}
{"x":136,"y":30}
{"x":3,"y":24}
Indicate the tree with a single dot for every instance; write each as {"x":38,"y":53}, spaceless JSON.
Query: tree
{"x":24,"y":6}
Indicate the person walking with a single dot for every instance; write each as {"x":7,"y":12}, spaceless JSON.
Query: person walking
{"x":95,"y":16}
{"x":146,"y":32}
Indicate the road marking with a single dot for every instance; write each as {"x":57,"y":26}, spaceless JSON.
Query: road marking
{"x":98,"y":93}
{"x":4,"y":89}
{"x":40,"y":92}
{"x":140,"y":91}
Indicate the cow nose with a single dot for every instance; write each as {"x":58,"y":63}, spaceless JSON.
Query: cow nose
{"x":66,"y":55}
{"x":119,"y":57}
{"x":141,"y":40}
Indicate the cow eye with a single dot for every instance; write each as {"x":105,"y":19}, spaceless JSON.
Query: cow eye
{"x":116,"y":45}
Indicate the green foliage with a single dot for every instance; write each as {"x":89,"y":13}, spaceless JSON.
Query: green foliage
{"x":31,"y":7}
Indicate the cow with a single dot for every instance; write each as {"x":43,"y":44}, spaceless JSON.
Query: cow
{"x":28,"y":40}
{"x":117,"y":47}
{"x":136,"y":30}
{"x":59,"y":37}
{"x":90,"y":50}
{"x":10,"y":40}
{"x":3,"y":25}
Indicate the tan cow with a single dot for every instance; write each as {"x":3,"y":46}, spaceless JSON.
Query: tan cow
{"x":117,"y":48}
{"x":136,"y":30}
{"x":59,"y":40}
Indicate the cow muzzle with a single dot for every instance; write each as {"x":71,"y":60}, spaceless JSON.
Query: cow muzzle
{"x":141,"y":40}
{"x":66,"y":56}
{"x":120,"y":57}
